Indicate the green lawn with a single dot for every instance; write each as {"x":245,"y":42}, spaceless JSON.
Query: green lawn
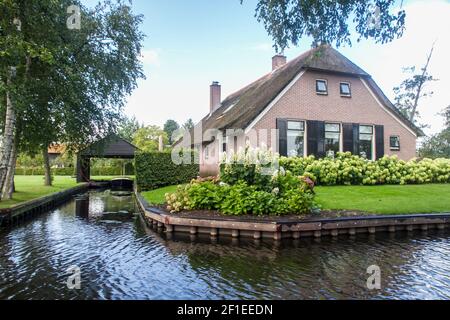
{"x":157,"y":196}
{"x":32,"y":187}
{"x":388,"y":199}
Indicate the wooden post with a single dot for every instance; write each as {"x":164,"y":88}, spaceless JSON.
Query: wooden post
{"x":214,"y":232}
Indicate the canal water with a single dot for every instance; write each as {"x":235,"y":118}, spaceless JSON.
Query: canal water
{"x":122,"y":259}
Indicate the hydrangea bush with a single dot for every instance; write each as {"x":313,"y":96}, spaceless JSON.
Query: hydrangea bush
{"x":259,"y":182}
{"x":347,"y":169}
{"x":251,"y":182}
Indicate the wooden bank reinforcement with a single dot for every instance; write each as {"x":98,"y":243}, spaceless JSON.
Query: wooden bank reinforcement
{"x":22,"y":212}
{"x":278,"y":229}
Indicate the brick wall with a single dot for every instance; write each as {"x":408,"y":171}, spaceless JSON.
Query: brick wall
{"x":302,"y":102}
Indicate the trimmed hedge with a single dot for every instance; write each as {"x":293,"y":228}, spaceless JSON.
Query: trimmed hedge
{"x":23,"y":171}
{"x":156,"y":170}
{"x":100,"y":171}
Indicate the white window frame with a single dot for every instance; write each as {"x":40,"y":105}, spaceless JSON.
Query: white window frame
{"x":349,"y":88}
{"x":305,"y":130}
{"x":320,"y":92}
{"x":341,"y":130}
{"x":374,"y":139}
{"x":390,"y":146}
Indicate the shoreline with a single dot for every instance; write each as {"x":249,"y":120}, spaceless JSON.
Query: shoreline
{"x":279,"y":228}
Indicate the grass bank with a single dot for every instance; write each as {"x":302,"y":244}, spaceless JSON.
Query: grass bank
{"x":386,"y":199}
{"x":32,"y":187}
{"x":157,"y":196}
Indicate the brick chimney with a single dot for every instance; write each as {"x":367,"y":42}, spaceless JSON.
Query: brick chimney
{"x":215,"y":98}
{"x":278,"y":60}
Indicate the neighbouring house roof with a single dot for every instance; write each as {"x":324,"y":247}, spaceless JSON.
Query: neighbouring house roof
{"x":57,"y":149}
{"x":239,"y":109}
{"x":111,"y":146}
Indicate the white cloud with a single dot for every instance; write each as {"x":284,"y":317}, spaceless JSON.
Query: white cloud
{"x":151,"y":57}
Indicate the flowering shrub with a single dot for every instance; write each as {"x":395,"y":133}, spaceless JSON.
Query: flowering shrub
{"x":258,"y":182}
{"x":347,"y":169}
{"x":251,"y":182}
{"x":254,"y":166}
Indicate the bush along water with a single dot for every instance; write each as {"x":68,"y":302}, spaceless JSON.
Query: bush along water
{"x":259,"y":182}
{"x":347,"y":169}
{"x":250,"y":182}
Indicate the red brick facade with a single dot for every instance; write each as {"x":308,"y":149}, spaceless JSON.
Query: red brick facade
{"x":302,"y":102}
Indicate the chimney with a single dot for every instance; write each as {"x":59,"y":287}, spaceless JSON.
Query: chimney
{"x":215,"y":98}
{"x":278,"y":60}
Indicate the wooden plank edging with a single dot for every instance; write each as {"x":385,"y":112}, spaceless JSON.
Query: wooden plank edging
{"x":290,"y":228}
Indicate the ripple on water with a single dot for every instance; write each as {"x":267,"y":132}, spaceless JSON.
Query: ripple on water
{"x":128,"y":261}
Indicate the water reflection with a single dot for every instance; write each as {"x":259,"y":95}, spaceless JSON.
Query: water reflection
{"x":126,"y":260}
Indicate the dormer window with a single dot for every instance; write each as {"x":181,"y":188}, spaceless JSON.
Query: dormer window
{"x":345,"y":89}
{"x":321,"y":86}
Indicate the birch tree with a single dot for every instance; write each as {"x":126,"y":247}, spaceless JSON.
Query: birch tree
{"x":78,"y":78}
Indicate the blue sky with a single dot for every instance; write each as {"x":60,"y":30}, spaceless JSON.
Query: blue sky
{"x":189,"y":44}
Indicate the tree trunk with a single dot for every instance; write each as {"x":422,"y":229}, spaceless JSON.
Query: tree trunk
{"x":9,"y":187}
{"x":8,"y":137}
{"x":420,"y":86}
{"x":47,"y":172}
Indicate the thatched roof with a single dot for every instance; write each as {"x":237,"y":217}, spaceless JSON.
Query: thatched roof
{"x":239,"y":109}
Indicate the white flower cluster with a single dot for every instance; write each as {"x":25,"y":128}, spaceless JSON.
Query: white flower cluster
{"x":265,"y":160}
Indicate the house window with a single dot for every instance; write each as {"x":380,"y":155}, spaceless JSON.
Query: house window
{"x":321,"y":87}
{"x":394,"y":142}
{"x":295,"y":138}
{"x":345,"y":89}
{"x":332,"y":138}
{"x":366,"y":141}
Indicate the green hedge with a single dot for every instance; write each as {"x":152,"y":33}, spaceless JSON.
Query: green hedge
{"x":156,"y":169}
{"x":23,"y":171}
{"x":106,"y":171}
{"x":100,"y":171}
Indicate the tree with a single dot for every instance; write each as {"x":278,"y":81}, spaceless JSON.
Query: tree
{"x":169,"y":128}
{"x":147,"y":138}
{"x":70,"y":85}
{"x":288,"y":21}
{"x":446,"y":114}
{"x":412,"y":90}
{"x":128,"y":127}
{"x":438,"y":145}
{"x":189,"y":124}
